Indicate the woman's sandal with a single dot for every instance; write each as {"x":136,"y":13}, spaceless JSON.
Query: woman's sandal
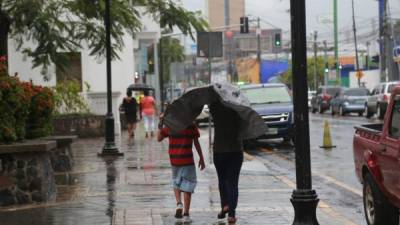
{"x":232,"y":220}
{"x":223,"y":212}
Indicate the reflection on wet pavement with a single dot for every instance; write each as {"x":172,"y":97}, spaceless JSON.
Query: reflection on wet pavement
{"x":135,"y":189}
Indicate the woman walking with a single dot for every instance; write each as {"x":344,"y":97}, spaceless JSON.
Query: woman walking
{"x":228,"y":158}
{"x":148,"y":110}
{"x":129,"y":105}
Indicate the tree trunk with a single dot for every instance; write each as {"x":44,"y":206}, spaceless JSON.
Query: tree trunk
{"x":4,"y":29}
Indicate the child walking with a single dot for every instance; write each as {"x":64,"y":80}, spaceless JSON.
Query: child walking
{"x":183,"y":166}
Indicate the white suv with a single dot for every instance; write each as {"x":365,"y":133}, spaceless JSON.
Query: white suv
{"x":379,"y":98}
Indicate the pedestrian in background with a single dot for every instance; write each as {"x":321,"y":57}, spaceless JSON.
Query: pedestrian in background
{"x":183,"y":167}
{"x":129,"y":106}
{"x":228,"y":158}
{"x":148,"y":111}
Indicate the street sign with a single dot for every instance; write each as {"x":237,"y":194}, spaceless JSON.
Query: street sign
{"x":209,"y":42}
{"x":359,"y":74}
{"x":193,"y":47}
{"x":396,"y":54}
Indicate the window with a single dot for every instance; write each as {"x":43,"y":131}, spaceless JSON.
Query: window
{"x":72,"y":70}
{"x":267,"y":95}
{"x":395,"y":121}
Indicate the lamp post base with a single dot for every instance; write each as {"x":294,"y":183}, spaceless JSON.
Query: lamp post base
{"x":110,"y":149}
{"x":305,"y":205}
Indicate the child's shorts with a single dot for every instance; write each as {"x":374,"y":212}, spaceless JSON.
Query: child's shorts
{"x":184,"y":178}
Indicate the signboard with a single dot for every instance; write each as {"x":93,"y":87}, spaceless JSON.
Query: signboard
{"x":209,"y":44}
{"x":193,"y":48}
{"x":396,"y":54}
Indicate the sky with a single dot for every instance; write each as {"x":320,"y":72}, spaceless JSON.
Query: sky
{"x":276,"y":12}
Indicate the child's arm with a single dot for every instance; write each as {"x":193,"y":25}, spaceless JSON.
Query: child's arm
{"x":199,"y":151}
{"x":160,"y":137}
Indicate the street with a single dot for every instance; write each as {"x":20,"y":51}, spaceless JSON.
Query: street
{"x":135,"y":189}
{"x":333,"y":170}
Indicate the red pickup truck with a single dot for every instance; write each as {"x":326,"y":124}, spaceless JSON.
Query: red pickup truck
{"x":376,"y":150}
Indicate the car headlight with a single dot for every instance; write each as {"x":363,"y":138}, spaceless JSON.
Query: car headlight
{"x":345,"y":103}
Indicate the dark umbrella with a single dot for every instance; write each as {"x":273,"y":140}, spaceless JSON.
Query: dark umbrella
{"x":140,"y":87}
{"x":184,"y":110}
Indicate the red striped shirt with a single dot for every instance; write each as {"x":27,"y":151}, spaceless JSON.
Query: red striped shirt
{"x":180,"y":145}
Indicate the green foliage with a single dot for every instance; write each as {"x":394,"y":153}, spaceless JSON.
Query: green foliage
{"x":39,"y":123}
{"x":171,"y":51}
{"x":68,"y":99}
{"x":287,"y":77}
{"x":25,"y":110}
{"x":56,"y":25}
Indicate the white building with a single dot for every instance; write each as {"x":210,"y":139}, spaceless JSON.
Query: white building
{"x":88,"y":69}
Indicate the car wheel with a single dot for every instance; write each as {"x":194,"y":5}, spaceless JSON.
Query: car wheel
{"x":341,"y":112}
{"x":368,"y":114}
{"x":320,"y":110}
{"x":379,"y":112}
{"x":332,"y":111}
{"x":289,"y":140}
{"x":377,"y":209}
{"x":250,"y":144}
{"x":313,"y":110}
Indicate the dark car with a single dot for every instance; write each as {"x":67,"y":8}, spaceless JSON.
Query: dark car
{"x":349,"y":101}
{"x":274,"y":104}
{"x":321,"y":101}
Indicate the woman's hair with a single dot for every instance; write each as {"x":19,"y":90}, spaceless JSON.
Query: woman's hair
{"x":129,"y":93}
{"x":146,"y":92}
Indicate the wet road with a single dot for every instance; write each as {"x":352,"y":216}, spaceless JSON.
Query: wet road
{"x":334,"y":178}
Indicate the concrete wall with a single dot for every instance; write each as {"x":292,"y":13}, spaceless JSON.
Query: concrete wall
{"x":370,"y":79}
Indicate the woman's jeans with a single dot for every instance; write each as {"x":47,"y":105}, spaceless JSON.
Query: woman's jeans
{"x":228,"y":167}
{"x":149,"y":124}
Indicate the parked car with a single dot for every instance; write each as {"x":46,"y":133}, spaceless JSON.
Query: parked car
{"x":321,"y":101}
{"x":376,"y":157}
{"x":350,"y":100}
{"x":379,"y":98}
{"x":311,"y":94}
{"x":274,"y":104}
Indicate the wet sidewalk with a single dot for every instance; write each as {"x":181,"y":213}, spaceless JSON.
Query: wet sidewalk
{"x":135,"y":189}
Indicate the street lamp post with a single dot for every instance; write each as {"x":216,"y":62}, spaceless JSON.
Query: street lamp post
{"x":304,"y":199}
{"x":109,"y":147}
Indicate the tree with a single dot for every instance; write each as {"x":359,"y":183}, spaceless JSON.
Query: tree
{"x":64,"y":25}
{"x":287,"y":77}
{"x":171,"y":51}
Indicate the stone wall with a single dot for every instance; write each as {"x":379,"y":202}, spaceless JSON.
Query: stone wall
{"x":61,"y":158}
{"x":26,"y":173}
{"x":84,"y":126}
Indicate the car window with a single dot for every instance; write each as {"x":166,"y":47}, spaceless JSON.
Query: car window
{"x":383,"y":88}
{"x":319,"y":91}
{"x":266,"y":95}
{"x":395,"y":121}
{"x":333,"y":91}
{"x":356,"y":92}
{"x":391,"y":87}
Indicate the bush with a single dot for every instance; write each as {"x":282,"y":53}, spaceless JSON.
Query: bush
{"x":68,"y":99}
{"x":25,"y":110}
{"x":39,"y":122}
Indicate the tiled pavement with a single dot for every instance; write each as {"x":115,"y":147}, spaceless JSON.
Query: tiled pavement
{"x":135,"y":189}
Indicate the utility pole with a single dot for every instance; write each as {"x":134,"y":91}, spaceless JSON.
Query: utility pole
{"x":355,"y":46}
{"x":315,"y":59}
{"x":259,"y":47}
{"x":335,"y":31}
{"x":325,"y":63}
{"x":367,"y":57}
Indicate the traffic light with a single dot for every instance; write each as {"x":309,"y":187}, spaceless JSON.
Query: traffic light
{"x":244,"y":25}
{"x":375,"y":58}
{"x":278,"y":42}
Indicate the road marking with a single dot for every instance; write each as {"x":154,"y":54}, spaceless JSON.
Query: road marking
{"x":323,"y":176}
{"x":325,"y":207}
